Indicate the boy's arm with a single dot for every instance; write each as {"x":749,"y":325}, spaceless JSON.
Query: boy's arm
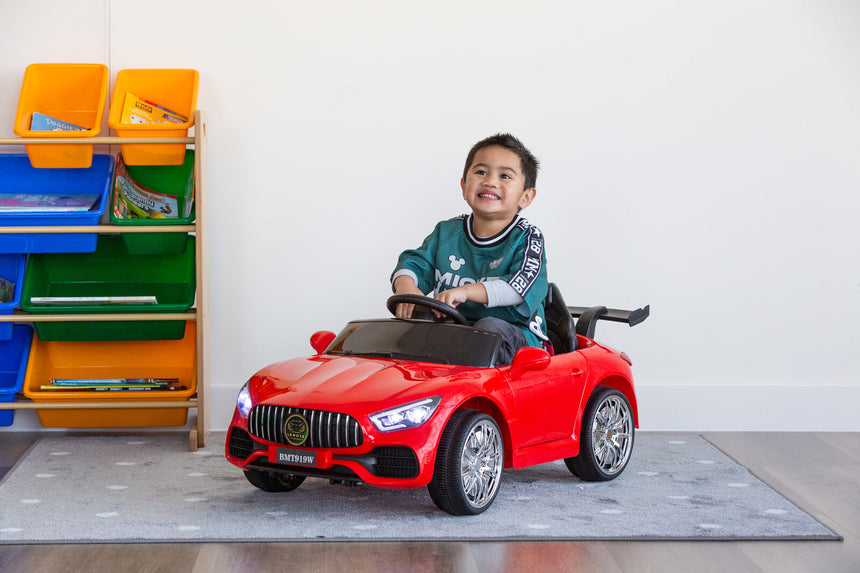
{"x":404,"y":284}
{"x":455,"y":296}
{"x":522,"y":287}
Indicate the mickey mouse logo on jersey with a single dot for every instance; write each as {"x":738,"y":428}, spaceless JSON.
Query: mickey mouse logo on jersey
{"x":456,"y":263}
{"x":536,"y":326}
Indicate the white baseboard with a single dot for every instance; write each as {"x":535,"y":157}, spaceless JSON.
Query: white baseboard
{"x":678,"y":408}
{"x":718,"y":408}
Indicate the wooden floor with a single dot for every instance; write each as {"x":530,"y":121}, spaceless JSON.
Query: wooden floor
{"x":820,"y":472}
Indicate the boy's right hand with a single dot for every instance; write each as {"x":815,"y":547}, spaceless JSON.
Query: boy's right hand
{"x":405,"y":285}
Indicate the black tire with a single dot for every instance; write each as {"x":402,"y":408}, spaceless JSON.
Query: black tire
{"x":469,"y":464}
{"x":274,"y":481}
{"x":606,"y":437}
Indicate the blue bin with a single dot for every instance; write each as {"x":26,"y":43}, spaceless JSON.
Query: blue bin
{"x":17,"y":176}
{"x":11,"y":269}
{"x":13,"y":366}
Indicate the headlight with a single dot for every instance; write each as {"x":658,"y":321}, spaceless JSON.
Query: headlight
{"x":243,"y":402}
{"x":409,"y":415}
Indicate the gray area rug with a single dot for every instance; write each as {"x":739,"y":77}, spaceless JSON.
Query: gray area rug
{"x":76,"y":489}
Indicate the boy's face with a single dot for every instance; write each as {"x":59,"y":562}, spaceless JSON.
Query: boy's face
{"x":494,"y":186}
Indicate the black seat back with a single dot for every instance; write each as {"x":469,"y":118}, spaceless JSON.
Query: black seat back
{"x":559,"y":323}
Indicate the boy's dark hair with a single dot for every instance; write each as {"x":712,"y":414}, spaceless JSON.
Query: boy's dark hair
{"x":529,"y":162}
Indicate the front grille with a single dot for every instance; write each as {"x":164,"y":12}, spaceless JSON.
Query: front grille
{"x":325,"y":429}
{"x":395,"y":462}
{"x":241,"y":444}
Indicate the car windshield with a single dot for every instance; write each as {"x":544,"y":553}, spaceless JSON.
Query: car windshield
{"x":426,"y":341}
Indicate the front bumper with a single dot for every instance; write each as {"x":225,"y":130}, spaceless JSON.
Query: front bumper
{"x":403,"y":459}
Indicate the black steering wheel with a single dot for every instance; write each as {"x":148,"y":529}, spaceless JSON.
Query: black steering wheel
{"x":426,"y":302}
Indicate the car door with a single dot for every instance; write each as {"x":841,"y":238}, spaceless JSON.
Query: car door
{"x":546,"y":401}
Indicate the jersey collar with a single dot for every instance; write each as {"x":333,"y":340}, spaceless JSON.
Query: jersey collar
{"x":488,"y":241}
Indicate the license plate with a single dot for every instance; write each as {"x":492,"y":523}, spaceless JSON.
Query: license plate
{"x":296,"y":457}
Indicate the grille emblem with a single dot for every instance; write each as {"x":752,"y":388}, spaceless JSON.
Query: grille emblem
{"x":296,"y":430}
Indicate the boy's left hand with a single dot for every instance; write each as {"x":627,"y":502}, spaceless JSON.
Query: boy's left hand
{"x":456,"y":296}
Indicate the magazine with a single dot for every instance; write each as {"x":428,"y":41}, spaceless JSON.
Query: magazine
{"x":133,"y":201}
{"x":92,"y":300}
{"x":7,"y":290}
{"x":116,"y":388}
{"x":113,"y":381}
{"x":113,"y":384}
{"x":141,"y":111}
{"x":33,"y":202}
{"x":42,"y":122}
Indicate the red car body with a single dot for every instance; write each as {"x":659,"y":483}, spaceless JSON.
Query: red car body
{"x":412,"y":403}
{"x":539,"y":411}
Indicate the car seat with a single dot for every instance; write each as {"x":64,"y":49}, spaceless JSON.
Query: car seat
{"x":560,"y":326}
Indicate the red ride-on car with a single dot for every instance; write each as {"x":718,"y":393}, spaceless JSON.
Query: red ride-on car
{"x":411,"y":403}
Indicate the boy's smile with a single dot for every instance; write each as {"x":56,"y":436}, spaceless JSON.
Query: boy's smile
{"x":494,"y":188}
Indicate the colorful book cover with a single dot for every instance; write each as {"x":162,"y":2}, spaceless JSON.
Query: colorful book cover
{"x":113,"y":384}
{"x":133,"y":201}
{"x":35,"y":202}
{"x":141,"y":111}
{"x":113,"y":381}
{"x":7,"y":290}
{"x":42,"y":122}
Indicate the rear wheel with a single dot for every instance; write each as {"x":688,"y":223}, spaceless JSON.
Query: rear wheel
{"x":606,"y":438}
{"x":469,"y":464}
{"x":274,"y":481}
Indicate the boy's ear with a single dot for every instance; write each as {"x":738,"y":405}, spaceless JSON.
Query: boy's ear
{"x":527,"y":198}
{"x":463,"y":185}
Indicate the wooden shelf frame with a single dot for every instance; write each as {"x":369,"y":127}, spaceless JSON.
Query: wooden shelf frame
{"x":201,"y":429}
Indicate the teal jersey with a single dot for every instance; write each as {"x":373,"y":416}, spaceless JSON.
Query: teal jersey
{"x":453,"y":255}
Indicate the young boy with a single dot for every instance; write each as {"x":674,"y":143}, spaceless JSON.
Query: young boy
{"x":489,"y":264}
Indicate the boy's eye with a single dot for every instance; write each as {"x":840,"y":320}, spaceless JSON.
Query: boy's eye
{"x":480,"y":172}
{"x":505,"y":176}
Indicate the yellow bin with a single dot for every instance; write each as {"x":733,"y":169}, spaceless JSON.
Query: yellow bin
{"x":164,"y":94}
{"x":66,"y":94}
{"x":112,"y":359}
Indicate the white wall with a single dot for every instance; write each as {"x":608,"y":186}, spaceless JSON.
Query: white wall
{"x":700,"y":157}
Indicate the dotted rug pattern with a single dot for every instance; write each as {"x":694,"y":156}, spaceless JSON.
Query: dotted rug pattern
{"x":92,"y":489}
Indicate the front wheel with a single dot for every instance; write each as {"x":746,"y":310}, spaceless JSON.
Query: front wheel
{"x":606,"y":438}
{"x":273,"y":481}
{"x":469,"y":464}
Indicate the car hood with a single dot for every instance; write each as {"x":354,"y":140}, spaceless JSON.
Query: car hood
{"x":326,"y":382}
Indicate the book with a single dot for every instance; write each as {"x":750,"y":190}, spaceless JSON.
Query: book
{"x":115,"y":388}
{"x":7,"y":290}
{"x":97,"y":300}
{"x":112,"y":381}
{"x":47,"y":202}
{"x":134,"y":201}
{"x":42,"y":122}
{"x":136,"y":110}
{"x":113,"y":384}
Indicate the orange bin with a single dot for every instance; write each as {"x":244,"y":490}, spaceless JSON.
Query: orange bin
{"x":71,"y":93}
{"x":112,"y":359}
{"x":172,"y":89}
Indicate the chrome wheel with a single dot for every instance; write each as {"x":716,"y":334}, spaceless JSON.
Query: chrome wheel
{"x":612,"y":434}
{"x":469,"y":462}
{"x":481,"y":463}
{"x":606,"y":439}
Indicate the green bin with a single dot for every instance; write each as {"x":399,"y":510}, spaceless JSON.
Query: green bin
{"x":173,"y":180}
{"x":110,"y":271}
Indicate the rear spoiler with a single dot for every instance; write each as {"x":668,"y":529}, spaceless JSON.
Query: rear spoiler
{"x":587,"y":317}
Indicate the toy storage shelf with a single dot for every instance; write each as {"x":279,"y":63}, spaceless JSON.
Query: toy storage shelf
{"x":200,"y":431}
